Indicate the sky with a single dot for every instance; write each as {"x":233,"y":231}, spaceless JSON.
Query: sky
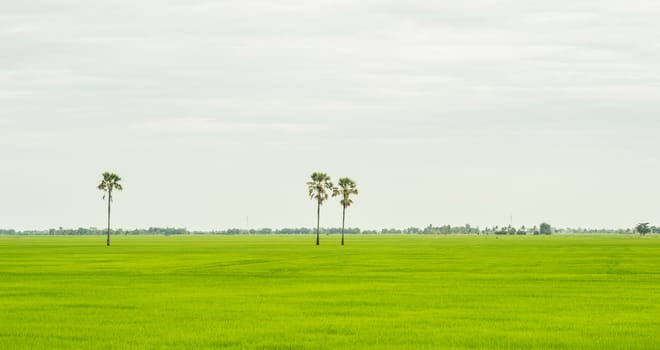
{"x":215,"y":113}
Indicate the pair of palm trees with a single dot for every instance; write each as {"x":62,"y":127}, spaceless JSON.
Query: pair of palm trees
{"x":320,"y":189}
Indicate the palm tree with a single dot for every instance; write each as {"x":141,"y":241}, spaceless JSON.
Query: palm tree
{"x":346,"y":188}
{"x":319,"y":189}
{"x":110,"y":182}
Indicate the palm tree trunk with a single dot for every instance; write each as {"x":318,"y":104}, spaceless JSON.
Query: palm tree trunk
{"x":343,"y":220}
{"x":109,"y":199}
{"x":318,"y":221}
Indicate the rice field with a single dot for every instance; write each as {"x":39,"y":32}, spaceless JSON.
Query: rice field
{"x":377,"y":292}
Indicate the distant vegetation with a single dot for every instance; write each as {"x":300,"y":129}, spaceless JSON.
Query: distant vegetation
{"x":643,"y":228}
{"x":445,"y":229}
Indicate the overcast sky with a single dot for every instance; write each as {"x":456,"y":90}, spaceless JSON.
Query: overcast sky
{"x":443,"y":112}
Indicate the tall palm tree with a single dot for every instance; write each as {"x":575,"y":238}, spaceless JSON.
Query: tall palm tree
{"x":346,"y":188}
{"x":319,"y":189}
{"x":110,"y":182}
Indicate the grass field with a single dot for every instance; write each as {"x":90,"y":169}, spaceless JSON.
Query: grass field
{"x":377,"y":292}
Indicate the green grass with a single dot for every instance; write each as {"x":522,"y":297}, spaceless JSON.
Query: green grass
{"x":282,"y":292}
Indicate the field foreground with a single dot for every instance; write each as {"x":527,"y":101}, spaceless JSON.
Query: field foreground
{"x":377,"y":292}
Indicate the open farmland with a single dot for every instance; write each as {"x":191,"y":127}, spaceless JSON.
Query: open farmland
{"x":377,"y":292}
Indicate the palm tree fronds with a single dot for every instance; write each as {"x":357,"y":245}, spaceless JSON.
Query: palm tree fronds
{"x":346,"y":188}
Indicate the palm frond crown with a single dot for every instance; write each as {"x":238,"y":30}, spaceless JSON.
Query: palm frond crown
{"x":109,"y":183}
{"x":320,"y":187}
{"x":346,"y":188}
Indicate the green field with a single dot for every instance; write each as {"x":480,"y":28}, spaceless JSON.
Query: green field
{"x":377,"y":292}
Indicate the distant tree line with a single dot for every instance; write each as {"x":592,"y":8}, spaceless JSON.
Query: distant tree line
{"x":288,"y":231}
{"x":430,"y":229}
{"x":83,"y":231}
